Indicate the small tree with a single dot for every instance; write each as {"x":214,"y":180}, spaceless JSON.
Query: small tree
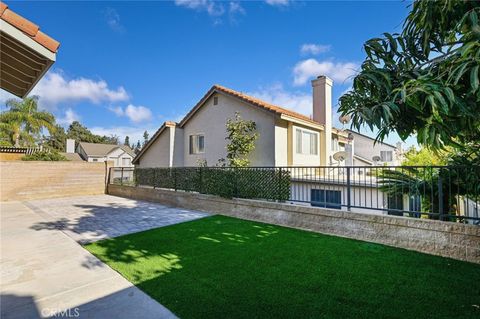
{"x":241,"y":135}
{"x":138,"y":147}
{"x":127,"y":141}
{"x":145,"y":138}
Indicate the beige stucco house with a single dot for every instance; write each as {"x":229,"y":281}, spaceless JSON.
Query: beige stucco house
{"x":119,"y":155}
{"x":286,"y":138}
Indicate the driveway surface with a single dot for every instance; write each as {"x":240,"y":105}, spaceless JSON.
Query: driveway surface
{"x":45,"y":272}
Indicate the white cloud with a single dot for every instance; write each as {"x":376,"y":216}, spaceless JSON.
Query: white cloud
{"x":236,"y":8}
{"x":54,"y":89}
{"x":69,"y":117}
{"x":310,"y":48}
{"x":135,"y":133}
{"x":136,"y":114}
{"x":337,"y":71}
{"x":113,"y":20}
{"x":278,"y":2}
{"x":211,"y":7}
{"x":296,"y":101}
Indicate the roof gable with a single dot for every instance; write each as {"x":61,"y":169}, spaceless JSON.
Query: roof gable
{"x":247,"y":99}
{"x":98,"y":149}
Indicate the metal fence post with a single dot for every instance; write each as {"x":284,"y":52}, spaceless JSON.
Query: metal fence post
{"x":279,"y":184}
{"x":200,"y":184}
{"x":440,"y":195}
{"x":121,"y":177}
{"x":235,"y":182}
{"x":349,"y":204}
{"x":174,"y":179}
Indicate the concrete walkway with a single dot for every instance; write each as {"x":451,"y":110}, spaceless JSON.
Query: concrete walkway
{"x":44,"y":271}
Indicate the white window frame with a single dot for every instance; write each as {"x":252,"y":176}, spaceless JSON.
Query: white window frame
{"x":389,"y":154}
{"x":299,"y":141}
{"x":195,"y":148}
{"x":129,"y":161}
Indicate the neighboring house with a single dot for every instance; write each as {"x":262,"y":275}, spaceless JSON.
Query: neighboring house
{"x":120,"y":155}
{"x":367,"y":153}
{"x":286,"y":138}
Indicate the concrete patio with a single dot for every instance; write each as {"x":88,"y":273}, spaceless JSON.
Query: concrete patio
{"x":44,"y":271}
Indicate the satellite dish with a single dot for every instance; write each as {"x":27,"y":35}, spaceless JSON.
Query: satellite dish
{"x":344,"y":119}
{"x":340,"y":156}
{"x":376,"y":158}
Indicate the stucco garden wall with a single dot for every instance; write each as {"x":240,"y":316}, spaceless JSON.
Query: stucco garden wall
{"x":34,"y":180}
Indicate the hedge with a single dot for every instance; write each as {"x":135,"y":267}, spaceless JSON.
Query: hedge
{"x":229,"y":182}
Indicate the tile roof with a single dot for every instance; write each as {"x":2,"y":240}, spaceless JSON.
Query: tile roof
{"x":268,"y":106}
{"x":249,"y":99}
{"x":28,"y":27}
{"x":97,"y":149}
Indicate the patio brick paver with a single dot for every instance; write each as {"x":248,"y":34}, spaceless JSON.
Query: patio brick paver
{"x":90,"y":218}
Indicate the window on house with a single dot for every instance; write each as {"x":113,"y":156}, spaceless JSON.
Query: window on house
{"x":307,"y":142}
{"x":125,"y":161}
{"x":386,"y":156}
{"x":197,"y":144}
{"x":326,"y":198}
{"x":215,"y":100}
{"x":335,"y":146}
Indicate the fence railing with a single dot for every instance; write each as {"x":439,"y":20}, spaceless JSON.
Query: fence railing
{"x":20,"y":150}
{"x":437,"y":192}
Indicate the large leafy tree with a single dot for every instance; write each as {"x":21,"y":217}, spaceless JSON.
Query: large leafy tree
{"x":23,"y":122}
{"x":80,"y":133}
{"x":425,"y":80}
{"x":57,"y":139}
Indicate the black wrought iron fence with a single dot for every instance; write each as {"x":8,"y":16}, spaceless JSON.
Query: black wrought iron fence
{"x":435,"y":192}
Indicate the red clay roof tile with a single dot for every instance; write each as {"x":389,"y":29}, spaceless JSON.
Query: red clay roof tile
{"x":271,"y":107}
{"x":28,"y":27}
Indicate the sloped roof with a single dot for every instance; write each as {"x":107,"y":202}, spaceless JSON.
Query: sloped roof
{"x":73,"y":157}
{"x":28,"y":27}
{"x":97,"y":149}
{"x":249,"y":99}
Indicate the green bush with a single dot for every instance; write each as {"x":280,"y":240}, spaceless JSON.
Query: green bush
{"x":45,"y":156}
{"x":252,"y":183}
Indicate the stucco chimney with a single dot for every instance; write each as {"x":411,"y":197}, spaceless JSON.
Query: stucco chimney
{"x":322,"y":113}
{"x":70,"y":145}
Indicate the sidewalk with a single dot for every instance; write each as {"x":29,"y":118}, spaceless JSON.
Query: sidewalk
{"x":44,"y":272}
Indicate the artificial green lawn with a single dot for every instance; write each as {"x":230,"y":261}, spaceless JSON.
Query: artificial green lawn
{"x":221,"y":267}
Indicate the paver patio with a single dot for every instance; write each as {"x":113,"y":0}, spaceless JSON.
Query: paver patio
{"x":44,"y":270}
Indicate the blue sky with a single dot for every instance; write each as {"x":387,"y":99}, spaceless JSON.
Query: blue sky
{"x":126,"y":67}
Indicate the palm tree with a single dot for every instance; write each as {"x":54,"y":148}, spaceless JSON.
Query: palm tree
{"x":23,"y":121}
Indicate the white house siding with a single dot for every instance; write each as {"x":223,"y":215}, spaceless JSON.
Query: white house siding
{"x":281,"y":143}
{"x":365,"y":196}
{"x":178,"y":147}
{"x":158,"y":153}
{"x":210,"y":121}
{"x":366,"y":148}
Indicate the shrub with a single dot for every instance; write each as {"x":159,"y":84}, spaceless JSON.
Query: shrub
{"x":45,"y":156}
{"x":252,"y":183}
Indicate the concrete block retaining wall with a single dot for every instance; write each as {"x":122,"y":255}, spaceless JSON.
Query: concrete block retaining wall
{"x":34,"y":180}
{"x":454,"y":240}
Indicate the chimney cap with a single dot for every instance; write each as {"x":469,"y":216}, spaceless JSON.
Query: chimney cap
{"x":322,"y":79}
